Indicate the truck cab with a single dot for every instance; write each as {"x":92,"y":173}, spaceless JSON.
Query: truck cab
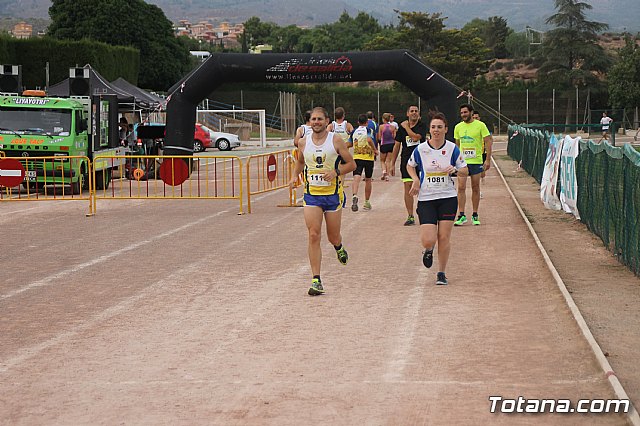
{"x":56,"y":137}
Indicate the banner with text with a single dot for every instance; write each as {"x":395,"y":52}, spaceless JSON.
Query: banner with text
{"x":569,"y":184}
{"x":549,"y":182}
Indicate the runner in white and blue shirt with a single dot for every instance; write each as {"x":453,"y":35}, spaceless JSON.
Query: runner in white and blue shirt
{"x":431,"y":163}
{"x":430,"y":166}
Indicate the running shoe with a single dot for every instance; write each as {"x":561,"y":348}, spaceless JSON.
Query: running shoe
{"x":410,"y":221}
{"x":354,"y":205}
{"x":343,"y":256}
{"x":461,"y":221}
{"x":475,"y":220}
{"x":316,"y":288}
{"x":442,"y":279}
{"x":366,"y":205}
{"x":427,"y":258}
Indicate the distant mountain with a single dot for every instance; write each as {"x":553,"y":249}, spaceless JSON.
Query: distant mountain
{"x":621,"y":15}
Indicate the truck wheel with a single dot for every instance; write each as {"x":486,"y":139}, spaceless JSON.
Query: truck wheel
{"x":103,"y":178}
{"x":82,"y":183}
{"x":33,"y":186}
{"x":224,"y":145}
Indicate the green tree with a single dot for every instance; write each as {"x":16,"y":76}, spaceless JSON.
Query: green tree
{"x":624,"y":77}
{"x":421,"y":32}
{"x":493,"y":31}
{"x":459,"y":55}
{"x":258,"y":32}
{"x":497,"y":36}
{"x":163,"y":59}
{"x":571,"y":55}
{"x":287,"y":39}
{"x":517,"y":45}
{"x":460,"y":58}
{"x":346,"y":34}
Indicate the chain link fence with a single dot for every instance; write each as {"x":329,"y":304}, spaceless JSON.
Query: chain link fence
{"x":608,"y":180}
{"x":497,"y":108}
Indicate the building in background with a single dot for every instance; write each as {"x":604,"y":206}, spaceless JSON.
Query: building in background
{"x":224,"y":34}
{"x":22,"y":30}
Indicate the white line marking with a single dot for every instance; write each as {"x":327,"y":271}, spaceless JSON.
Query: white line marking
{"x":26,"y":353}
{"x":108,"y":313}
{"x":48,"y":280}
{"x":404,"y":342}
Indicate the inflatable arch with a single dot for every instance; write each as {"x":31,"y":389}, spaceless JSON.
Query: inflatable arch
{"x":400,"y":65}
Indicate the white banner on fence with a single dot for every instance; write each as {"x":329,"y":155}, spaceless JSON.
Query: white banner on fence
{"x":569,"y":185}
{"x":548,"y":184}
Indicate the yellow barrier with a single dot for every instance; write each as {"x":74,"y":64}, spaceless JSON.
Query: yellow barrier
{"x":268,"y":172}
{"x":52,"y":178}
{"x":169,"y":177}
{"x":293,"y":196}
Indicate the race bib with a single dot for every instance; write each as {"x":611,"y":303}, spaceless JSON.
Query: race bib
{"x":411,"y":142}
{"x":436,"y":180}
{"x":316,"y":178}
{"x":469,"y":153}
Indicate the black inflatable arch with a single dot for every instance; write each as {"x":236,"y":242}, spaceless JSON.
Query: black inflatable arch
{"x":400,"y":65}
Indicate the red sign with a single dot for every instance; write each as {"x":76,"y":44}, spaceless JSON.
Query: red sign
{"x":11,"y":172}
{"x":174,"y":171}
{"x":272,"y":168}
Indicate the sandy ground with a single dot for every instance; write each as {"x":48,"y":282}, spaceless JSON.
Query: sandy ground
{"x":606,"y":292}
{"x":182,"y":312}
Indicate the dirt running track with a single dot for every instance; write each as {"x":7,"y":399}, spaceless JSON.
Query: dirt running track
{"x":165,"y":312}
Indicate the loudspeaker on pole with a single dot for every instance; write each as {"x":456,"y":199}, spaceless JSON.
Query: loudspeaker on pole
{"x":79,"y":82}
{"x":11,"y":78}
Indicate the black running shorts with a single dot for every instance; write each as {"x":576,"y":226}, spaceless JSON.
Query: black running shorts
{"x":433,"y":211}
{"x":386,"y":148}
{"x":366,"y":165}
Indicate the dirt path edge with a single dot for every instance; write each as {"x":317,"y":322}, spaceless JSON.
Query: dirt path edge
{"x":619,"y":390}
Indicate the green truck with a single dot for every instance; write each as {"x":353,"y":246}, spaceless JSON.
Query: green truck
{"x":33,"y":126}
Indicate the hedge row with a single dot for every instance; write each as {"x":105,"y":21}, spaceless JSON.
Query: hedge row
{"x":34,"y":53}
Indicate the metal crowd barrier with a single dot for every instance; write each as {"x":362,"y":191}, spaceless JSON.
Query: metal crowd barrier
{"x":269,"y":172}
{"x":170,"y":177}
{"x":47,"y":179}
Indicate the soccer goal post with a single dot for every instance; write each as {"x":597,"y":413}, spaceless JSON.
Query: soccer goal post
{"x":242,"y":122}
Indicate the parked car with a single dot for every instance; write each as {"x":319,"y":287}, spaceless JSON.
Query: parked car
{"x":201,"y":139}
{"x":221,"y":140}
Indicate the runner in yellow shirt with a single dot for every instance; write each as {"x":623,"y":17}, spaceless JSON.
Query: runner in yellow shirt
{"x":323,"y":157}
{"x":473,"y":138}
{"x":364,"y":152}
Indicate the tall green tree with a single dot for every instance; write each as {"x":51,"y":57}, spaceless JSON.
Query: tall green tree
{"x":459,"y":55}
{"x":163,"y":59}
{"x":349,"y":34}
{"x":287,"y":39}
{"x":572,"y":57}
{"x":517,"y":45}
{"x":624,"y":77}
{"x":258,"y":32}
{"x":493,"y":31}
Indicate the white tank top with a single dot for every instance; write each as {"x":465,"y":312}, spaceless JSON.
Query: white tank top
{"x":318,"y":160}
{"x":340,"y":128}
{"x":306,"y":130}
